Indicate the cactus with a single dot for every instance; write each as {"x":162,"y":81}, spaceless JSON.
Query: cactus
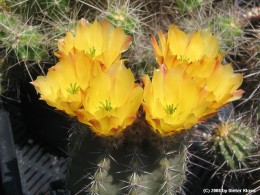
{"x":24,"y":40}
{"x":188,"y":5}
{"x":126,"y":165}
{"x":122,"y":17}
{"x":234,"y":143}
{"x":228,"y":29}
{"x":52,"y":9}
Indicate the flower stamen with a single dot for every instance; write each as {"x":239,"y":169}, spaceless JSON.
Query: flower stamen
{"x":92,"y":52}
{"x":183,"y":58}
{"x":73,"y":89}
{"x":170,"y":109}
{"x":106,"y":106}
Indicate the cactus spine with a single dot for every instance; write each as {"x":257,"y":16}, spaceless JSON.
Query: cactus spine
{"x":52,"y":9}
{"x":228,"y":29}
{"x":24,"y":40}
{"x":188,"y":5}
{"x":135,"y":166}
{"x":234,"y":143}
{"x":122,"y":17}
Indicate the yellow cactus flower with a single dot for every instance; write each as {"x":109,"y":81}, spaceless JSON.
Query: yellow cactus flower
{"x":177,"y":47}
{"x":100,"y":40}
{"x":65,"y":82}
{"x":197,"y":55}
{"x":223,"y":84}
{"x":111,"y":102}
{"x":173,"y":100}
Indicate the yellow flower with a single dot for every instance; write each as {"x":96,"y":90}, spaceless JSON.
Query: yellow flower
{"x":177,"y":48}
{"x":197,"y":55}
{"x":223,"y":85}
{"x":65,"y":82}
{"x":100,"y":40}
{"x":173,"y":101}
{"x":111,"y":102}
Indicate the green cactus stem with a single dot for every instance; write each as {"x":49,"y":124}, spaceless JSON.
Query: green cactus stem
{"x":188,"y":5}
{"x":122,"y":17}
{"x":228,"y":29}
{"x":128,"y":166}
{"x":25,"y":40}
{"x":234,"y":143}
{"x":51,"y":9}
